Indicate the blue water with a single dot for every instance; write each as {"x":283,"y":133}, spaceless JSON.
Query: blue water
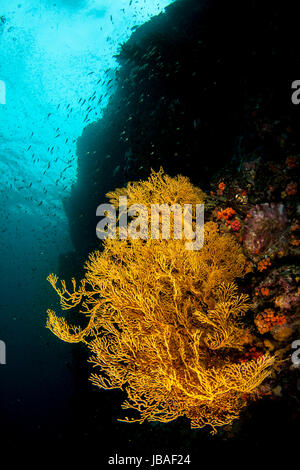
{"x":54,"y":57}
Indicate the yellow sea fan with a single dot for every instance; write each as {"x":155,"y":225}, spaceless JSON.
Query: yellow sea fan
{"x":159,"y":189}
{"x":164,"y":323}
{"x":59,"y":326}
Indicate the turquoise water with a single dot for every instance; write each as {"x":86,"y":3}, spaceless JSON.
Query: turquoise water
{"x":203,"y":90}
{"x":58,"y":68}
{"x":52,"y":55}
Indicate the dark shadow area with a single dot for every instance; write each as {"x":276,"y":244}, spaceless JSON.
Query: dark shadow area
{"x":192,"y":87}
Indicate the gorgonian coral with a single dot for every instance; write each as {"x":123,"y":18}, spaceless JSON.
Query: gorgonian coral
{"x":265,"y":230}
{"x":164,"y":323}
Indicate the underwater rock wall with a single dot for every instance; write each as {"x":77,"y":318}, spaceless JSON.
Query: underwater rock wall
{"x":203,"y":92}
{"x":187,"y":86}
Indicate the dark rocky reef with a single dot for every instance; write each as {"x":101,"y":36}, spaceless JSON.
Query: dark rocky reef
{"x":200,"y":91}
{"x":189,"y":85}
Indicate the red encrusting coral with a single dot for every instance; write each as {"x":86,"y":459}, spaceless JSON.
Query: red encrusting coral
{"x":263,"y":264}
{"x":268,"y":319}
{"x":235,"y":225}
{"x":226,"y":213}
